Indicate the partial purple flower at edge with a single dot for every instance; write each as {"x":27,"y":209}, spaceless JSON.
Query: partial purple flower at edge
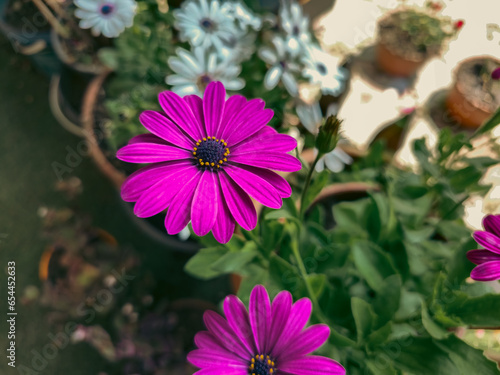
{"x":269,"y":339}
{"x":487,"y":259}
{"x":207,"y":158}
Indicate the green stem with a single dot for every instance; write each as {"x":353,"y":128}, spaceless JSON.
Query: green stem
{"x":303,"y":273}
{"x":306,"y":185}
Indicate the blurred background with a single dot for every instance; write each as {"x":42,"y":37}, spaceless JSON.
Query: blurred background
{"x":82,"y":257}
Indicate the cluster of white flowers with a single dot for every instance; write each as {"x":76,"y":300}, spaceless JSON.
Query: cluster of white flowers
{"x":107,"y":17}
{"x":221,"y":36}
{"x":294,"y":55}
{"x":224,"y":35}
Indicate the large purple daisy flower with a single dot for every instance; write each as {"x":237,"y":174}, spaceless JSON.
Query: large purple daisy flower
{"x":208,"y":157}
{"x":487,"y":259}
{"x":270,"y":339}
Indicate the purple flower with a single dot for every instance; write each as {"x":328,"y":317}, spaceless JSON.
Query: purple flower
{"x":269,"y":339}
{"x":208,"y":157}
{"x":488,"y":259}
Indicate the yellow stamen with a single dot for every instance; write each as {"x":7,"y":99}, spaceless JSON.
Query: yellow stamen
{"x":194,"y":153}
{"x":212,"y":164}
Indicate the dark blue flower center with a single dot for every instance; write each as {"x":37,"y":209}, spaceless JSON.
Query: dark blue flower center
{"x":296,"y":30}
{"x":321,"y":68}
{"x":207,"y":24}
{"x":211,"y":152}
{"x":106,"y":9}
{"x":261,"y":365}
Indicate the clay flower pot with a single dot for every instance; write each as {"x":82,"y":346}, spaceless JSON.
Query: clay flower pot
{"x":470,"y":102}
{"x":395,"y":65}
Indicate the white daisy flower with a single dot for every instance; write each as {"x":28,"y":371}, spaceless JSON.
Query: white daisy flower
{"x":243,"y":16}
{"x":107,"y":17}
{"x":195,"y":70}
{"x":322,"y":69}
{"x":282,"y":68}
{"x":311,"y":117}
{"x":239,"y":48}
{"x":205,"y":23}
{"x":295,"y":25}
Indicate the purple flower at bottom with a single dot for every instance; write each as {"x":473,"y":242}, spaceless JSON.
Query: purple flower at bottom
{"x":208,"y":157}
{"x":487,"y":259}
{"x":269,"y":339}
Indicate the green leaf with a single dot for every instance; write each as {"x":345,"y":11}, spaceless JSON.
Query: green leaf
{"x":468,"y":360}
{"x":109,"y":57}
{"x":317,"y":184}
{"x":235,"y":261}
{"x":373,"y":263}
{"x":387,"y":300}
{"x":364,"y":317}
{"x":284,"y":274}
{"x":352,"y":216}
{"x":317,"y":282}
{"x":380,"y":336}
{"x":434,"y":329}
{"x":490,"y":124}
{"x":272,"y":233}
{"x":475,"y":311}
{"x":199,"y":264}
{"x":381,"y":366}
{"x":420,"y":356}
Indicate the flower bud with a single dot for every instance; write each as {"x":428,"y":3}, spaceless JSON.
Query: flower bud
{"x":328,"y":135}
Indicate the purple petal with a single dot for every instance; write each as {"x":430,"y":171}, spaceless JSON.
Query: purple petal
{"x":159,"y":125}
{"x":144,"y":178}
{"x":280,"y":184}
{"x":240,"y":116}
{"x":216,"y":371}
{"x":180,"y":113}
{"x":238,"y":202}
{"x":307,"y":342}
{"x":266,"y":142}
{"x":196,"y":105}
{"x":213,"y":106}
{"x":481,"y":256}
{"x":250,"y":125}
{"x":238,"y":320}
{"x":277,"y":161}
{"x":299,"y":316}
{"x":260,"y":317}
{"x":219,"y":327}
{"x":312,"y":365}
{"x":151,"y":153}
{"x":491,"y":223}
{"x":488,"y":241}
{"x":205,"y":203}
{"x":147,"y":138}
{"x":280,"y":311}
{"x":205,"y":340}
{"x":224,"y":225}
{"x":488,"y":271}
{"x":158,"y":197}
{"x":215,"y":359}
{"x":179,"y":213}
{"x":232,"y":109}
{"x":255,"y":186}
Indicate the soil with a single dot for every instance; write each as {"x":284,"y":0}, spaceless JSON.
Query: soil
{"x":474,"y":82}
{"x":23,"y":14}
{"x":398,"y":41}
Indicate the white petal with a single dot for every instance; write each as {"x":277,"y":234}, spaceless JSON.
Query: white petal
{"x":272,"y":77}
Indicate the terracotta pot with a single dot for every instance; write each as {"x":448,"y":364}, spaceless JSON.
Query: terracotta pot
{"x":463,"y":111}
{"x":394,"y":64}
